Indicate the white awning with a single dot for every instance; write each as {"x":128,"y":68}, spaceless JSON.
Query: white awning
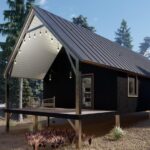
{"x":36,"y":53}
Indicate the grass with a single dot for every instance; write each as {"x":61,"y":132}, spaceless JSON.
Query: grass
{"x":117,"y":133}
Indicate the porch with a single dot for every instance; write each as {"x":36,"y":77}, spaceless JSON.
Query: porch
{"x":61,"y":112}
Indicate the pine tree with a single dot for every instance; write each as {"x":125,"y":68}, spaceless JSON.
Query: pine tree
{"x":14,"y":19}
{"x":37,"y":88}
{"x":27,"y":92}
{"x":82,"y":21}
{"x":123,"y":36}
{"x":145,"y":45}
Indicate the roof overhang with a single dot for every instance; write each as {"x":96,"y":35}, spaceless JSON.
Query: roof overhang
{"x":35,"y":51}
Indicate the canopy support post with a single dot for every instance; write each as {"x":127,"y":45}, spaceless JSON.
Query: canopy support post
{"x":7,"y":114}
{"x":117,"y":120}
{"x":78,"y":123}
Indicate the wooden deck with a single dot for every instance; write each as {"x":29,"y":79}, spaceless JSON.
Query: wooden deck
{"x":61,"y":113}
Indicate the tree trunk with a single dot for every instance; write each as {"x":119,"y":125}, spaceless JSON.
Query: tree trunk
{"x":20,"y":98}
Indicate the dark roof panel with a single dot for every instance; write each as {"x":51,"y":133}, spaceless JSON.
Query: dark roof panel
{"x":94,"y":48}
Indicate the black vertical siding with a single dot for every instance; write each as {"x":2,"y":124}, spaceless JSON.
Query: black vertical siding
{"x":143,"y":102}
{"x":132,"y":104}
{"x":125,"y":104}
{"x":105,"y":87}
{"x":61,"y":86}
{"x":110,"y":87}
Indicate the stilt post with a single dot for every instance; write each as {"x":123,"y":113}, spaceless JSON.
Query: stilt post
{"x":7,"y":115}
{"x":117,"y":120}
{"x":35,"y":123}
{"x":48,"y":121}
{"x":78,"y":123}
{"x":7,"y":122}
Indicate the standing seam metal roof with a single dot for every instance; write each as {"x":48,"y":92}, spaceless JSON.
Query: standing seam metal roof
{"x":94,"y":48}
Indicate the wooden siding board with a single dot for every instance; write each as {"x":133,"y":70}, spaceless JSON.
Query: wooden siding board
{"x":61,"y":86}
{"x":105,"y":91}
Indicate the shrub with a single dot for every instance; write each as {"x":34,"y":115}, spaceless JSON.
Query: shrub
{"x":55,"y":138}
{"x":117,"y":133}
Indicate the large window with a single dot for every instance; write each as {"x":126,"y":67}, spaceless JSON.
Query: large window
{"x":132,"y":86}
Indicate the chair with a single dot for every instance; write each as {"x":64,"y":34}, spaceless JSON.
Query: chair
{"x":49,"y":102}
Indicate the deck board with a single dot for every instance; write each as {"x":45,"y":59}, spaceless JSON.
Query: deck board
{"x":61,"y":112}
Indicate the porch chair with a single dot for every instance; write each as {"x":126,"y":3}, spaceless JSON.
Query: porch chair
{"x":48,"y":103}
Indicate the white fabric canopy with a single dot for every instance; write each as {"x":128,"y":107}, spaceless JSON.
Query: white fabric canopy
{"x":37,"y":52}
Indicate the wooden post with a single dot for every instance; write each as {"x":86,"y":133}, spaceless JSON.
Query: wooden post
{"x":20,"y":98}
{"x":7,"y":122}
{"x":35,"y":128}
{"x":78,"y":123}
{"x":78,"y":92}
{"x":76,"y":70}
{"x":48,"y":121}
{"x":117,"y":120}
{"x":7,"y":115}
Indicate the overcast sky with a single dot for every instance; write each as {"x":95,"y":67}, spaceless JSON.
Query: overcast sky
{"x":104,"y":15}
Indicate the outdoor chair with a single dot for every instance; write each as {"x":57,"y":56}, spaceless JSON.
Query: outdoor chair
{"x":49,"y":102}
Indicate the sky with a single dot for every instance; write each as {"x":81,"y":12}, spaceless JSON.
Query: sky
{"x":104,"y":15}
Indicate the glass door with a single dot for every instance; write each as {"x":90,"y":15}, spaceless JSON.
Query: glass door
{"x":87,"y":91}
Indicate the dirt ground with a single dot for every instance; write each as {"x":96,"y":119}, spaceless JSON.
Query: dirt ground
{"x":136,"y":127}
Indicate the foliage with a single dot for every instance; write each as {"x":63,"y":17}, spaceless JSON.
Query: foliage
{"x":82,"y":21}
{"x":37,"y":88}
{"x":54,"y":138}
{"x":144,"y":45}
{"x":117,"y":133}
{"x":27,"y":92}
{"x":14,"y":19}
{"x":123,"y":36}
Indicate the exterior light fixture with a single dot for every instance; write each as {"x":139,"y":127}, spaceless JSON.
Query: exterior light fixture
{"x":58,"y":48}
{"x":19,"y":51}
{"x":15,"y":62}
{"x":70,"y":75}
{"x":34,"y":36}
{"x":40,"y":33}
{"x":29,"y":37}
{"x":50,"y":77}
{"x":46,"y":32}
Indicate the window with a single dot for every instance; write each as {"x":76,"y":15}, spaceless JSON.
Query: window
{"x":132,"y":86}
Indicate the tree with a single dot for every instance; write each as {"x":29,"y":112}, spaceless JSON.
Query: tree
{"x":27,"y":92}
{"x":14,"y":19}
{"x":123,"y":36}
{"x":82,"y":21}
{"x":145,"y":45}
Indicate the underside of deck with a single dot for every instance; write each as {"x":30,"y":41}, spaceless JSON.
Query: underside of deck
{"x":61,"y":113}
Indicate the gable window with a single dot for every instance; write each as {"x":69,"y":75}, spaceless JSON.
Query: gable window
{"x":132,"y":87}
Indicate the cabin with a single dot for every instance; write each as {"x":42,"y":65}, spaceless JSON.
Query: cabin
{"x":82,"y":70}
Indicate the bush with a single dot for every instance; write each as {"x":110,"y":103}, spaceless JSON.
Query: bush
{"x":117,"y":133}
{"x":54,"y":138}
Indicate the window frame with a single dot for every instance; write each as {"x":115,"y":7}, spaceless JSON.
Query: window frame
{"x":136,"y":86}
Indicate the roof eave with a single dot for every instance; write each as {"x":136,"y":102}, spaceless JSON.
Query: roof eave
{"x":114,"y":68}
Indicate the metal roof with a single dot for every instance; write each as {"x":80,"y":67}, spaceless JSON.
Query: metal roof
{"x":94,"y":48}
